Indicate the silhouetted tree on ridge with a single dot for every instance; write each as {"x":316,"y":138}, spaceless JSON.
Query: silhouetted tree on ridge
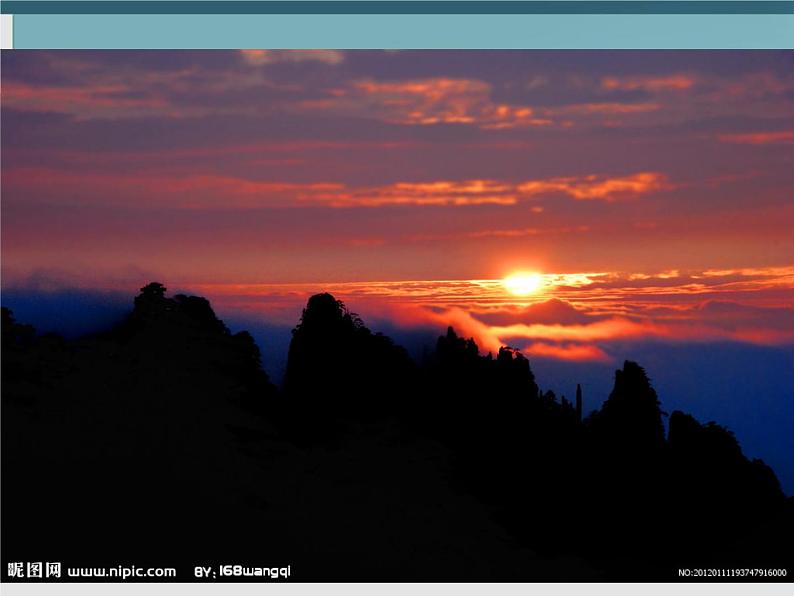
{"x":715,"y":477}
{"x":183,"y":331}
{"x":15,"y":335}
{"x":337,"y":369}
{"x":630,"y":420}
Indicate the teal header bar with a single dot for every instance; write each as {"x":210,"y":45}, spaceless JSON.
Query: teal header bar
{"x":399,"y":7}
{"x":404,"y":31}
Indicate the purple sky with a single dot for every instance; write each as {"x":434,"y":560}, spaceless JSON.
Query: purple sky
{"x":653,"y":192}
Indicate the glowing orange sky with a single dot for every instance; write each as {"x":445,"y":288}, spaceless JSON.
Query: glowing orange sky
{"x":653,"y":189}
{"x":574,"y":316}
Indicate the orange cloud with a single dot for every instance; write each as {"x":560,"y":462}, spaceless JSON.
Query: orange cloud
{"x":570,"y":342}
{"x":675,"y":82}
{"x":129,"y":92}
{"x":603,"y":108}
{"x":478,"y":192}
{"x":596,"y":187}
{"x":465,"y":325}
{"x":615,"y":328}
{"x":433,"y":101}
{"x":211,"y":191}
{"x":443,"y":192}
{"x":260,"y":57}
{"x":500,"y":233}
{"x":113,"y":98}
{"x":183,"y":191}
{"x":754,"y":85}
{"x":782,"y":137}
{"x":509,"y":233}
{"x":575,"y":352}
{"x":584,"y":341}
{"x":443,"y":100}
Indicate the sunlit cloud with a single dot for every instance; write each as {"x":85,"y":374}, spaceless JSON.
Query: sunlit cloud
{"x":131,"y":93}
{"x":610,"y":329}
{"x":243,"y":85}
{"x":443,"y":192}
{"x":522,"y":232}
{"x":675,"y":82}
{"x":201,"y":191}
{"x":567,"y":351}
{"x":671,"y":274}
{"x":782,"y":274}
{"x":677,"y":97}
{"x":261,"y":57}
{"x":442,"y":100}
{"x":595,"y":187}
{"x":114,"y":99}
{"x":431,"y":101}
{"x":754,"y":85}
{"x":215,"y":191}
{"x":472,"y":192}
{"x":478,"y":192}
{"x":781,"y":137}
{"x":602,"y":108}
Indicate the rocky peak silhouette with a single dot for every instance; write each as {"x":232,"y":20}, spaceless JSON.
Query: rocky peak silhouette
{"x":339,"y":368}
{"x":630,"y":420}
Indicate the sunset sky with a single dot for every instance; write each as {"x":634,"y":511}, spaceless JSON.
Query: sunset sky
{"x":651,"y":193}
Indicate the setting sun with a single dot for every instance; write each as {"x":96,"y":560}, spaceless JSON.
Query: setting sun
{"x":523,"y":284}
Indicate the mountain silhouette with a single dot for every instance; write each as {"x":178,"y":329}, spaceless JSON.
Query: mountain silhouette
{"x":337,"y":369}
{"x":162,"y":440}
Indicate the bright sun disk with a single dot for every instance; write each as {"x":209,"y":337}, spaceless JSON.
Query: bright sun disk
{"x":523,"y":284}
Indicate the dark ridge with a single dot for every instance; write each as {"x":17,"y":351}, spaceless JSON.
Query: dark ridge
{"x":162,"y":440}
